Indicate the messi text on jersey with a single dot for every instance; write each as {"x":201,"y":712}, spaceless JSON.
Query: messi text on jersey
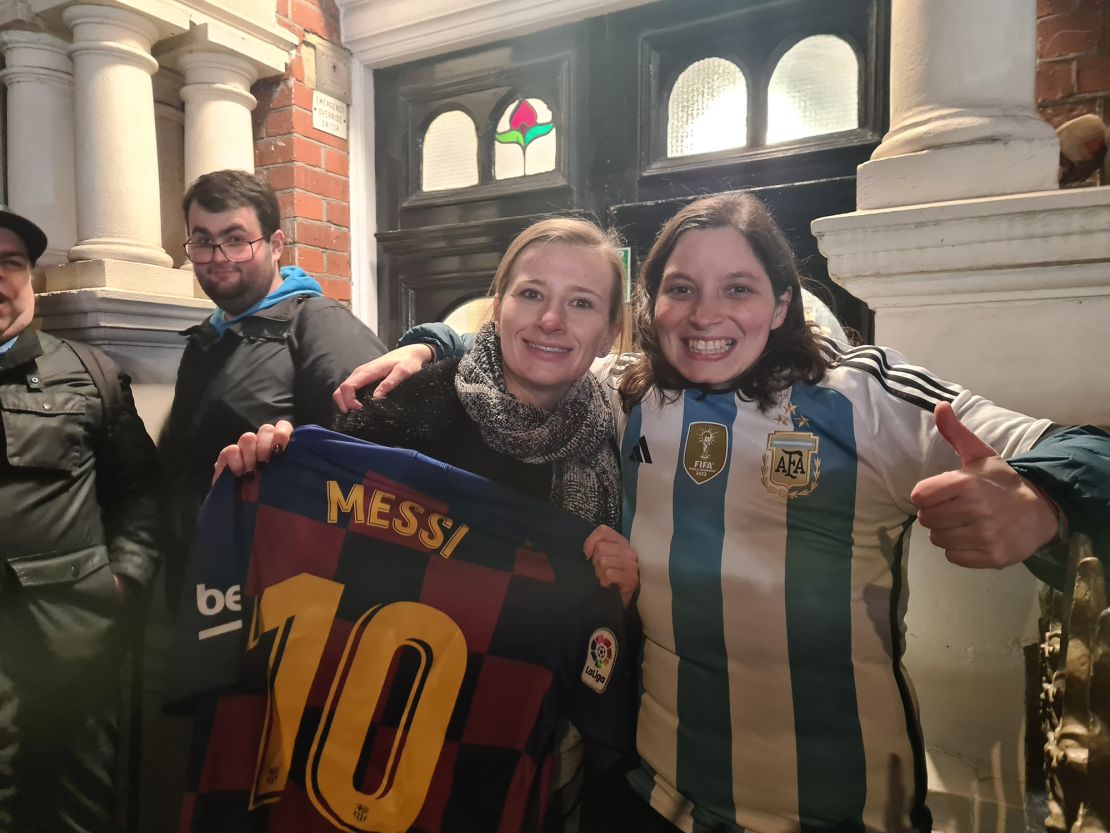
{"x":396,"y":519}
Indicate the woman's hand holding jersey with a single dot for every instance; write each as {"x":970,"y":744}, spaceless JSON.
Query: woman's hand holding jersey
{"x":983,"y":514}
{"x":392,"y":368}
{"x":616,"y":563}
{"x":253,"y":449}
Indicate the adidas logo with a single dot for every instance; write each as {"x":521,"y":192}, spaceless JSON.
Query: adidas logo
{"x":640,"y":453}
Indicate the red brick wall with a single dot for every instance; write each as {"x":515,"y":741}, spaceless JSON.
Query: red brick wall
{"x":306,"y":167}
{"x":1073,"y":59}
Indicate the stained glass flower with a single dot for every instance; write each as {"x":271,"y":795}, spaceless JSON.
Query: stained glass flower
{"x":523,"y":129}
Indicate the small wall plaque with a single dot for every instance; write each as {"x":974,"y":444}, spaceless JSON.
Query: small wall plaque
{"x":329,"y":114}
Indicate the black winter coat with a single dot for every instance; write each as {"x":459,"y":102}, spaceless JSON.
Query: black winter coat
{"x":280,"y":363}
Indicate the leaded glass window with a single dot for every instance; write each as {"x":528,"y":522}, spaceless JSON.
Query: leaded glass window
{"x":817,"y":312}
{"x":814,"y":90}
{"x":526,"y":140}
{"x":707,"y":109}
{"x":469,"y":316}
{"x":450,"y":152}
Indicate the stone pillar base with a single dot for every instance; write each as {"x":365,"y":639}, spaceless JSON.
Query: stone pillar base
{"x":123,"y":275}
{"x":1008,"y":296}
{"x":109,"y":248}
{"x":958,"y":172}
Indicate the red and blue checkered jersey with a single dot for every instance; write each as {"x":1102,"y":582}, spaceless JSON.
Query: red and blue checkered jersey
{"x":377,"y":641}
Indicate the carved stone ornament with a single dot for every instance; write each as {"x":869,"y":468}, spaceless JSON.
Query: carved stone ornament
{"x":1075,"y":698}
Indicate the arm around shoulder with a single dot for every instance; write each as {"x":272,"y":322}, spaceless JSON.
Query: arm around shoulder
{"x":1072,"y":467}
{"x":446,"y":343}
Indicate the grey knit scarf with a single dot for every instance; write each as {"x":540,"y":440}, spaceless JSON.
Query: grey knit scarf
{"x":574,"y":438}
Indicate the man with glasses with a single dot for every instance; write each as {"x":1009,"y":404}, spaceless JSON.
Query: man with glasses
{"x":275,"y":347}
{"x":78,"y":517}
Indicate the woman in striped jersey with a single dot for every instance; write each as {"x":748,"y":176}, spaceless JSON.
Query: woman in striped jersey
{"x":769,"y":478}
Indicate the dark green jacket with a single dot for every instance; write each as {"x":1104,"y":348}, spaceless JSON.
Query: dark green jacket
{"x":78,"y":500}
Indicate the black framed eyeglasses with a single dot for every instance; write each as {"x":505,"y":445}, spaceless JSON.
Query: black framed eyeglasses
{"x":236,"y":251}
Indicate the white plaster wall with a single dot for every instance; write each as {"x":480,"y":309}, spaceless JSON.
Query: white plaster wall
{"x":153,"y":371}
{"x":153,"y":402}
{"x":1041,"y":357}
{"x":171,"y":185}
{"x":364,"y":213}
{"x":966,"y":628}
{"x":964,"y":635}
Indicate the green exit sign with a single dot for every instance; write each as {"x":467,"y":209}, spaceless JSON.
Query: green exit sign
{"x":626,"y":262}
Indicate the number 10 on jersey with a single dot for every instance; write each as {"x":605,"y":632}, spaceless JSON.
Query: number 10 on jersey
{"x":302,"y":609}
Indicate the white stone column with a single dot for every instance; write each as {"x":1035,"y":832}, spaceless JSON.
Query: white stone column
{"x":169,"y":125}
{"x":40,"y":177}
{"x":963,"y":120}
{"x":218,"y":105}
{"x":1003,"y":292}
{"x":118,"y":215}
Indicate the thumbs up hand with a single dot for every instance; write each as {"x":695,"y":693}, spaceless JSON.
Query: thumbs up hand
{"x":983,"y":514}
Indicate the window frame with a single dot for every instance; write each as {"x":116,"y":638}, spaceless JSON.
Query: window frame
{"x":484,"y":98}
{"x":773,"y":64}
{"x":665,"y":55}
{"x":448,"y":107}
{"x":664,"y":105}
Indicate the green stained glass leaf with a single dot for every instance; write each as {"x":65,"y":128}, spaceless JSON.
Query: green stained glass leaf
{"x":536,"y":131}
{"x":510,"y":137}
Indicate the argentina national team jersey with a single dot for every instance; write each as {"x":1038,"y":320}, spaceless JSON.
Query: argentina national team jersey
{"x":380,"y":642}
{"x":772,"y":595}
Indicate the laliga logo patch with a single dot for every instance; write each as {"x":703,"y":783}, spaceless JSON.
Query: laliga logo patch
{"x":600,"y":659}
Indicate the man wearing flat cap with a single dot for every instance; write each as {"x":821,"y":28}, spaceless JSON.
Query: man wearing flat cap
{"x":78,"y":516}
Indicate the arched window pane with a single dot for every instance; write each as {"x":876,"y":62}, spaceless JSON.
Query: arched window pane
{"x":450,"y":157}
{"x":708,"y":109}
{"x":814,"y":90}
{"x":469,"y":316}
{"x":818,"y":312}
{"x":525,"y":140}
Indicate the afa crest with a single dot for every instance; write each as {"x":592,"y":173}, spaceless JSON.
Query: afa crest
{"x":791,"y":467}
{"x":704,"y":454}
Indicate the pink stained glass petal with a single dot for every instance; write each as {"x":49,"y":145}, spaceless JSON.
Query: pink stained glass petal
{"x":523,"y":117}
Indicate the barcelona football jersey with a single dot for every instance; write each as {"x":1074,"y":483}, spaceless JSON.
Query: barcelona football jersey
{"x":381,"y":642}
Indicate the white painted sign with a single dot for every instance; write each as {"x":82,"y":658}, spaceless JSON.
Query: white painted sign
{"x":329,"y":114}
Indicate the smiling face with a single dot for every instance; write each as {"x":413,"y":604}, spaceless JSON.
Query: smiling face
{"x":553,"y":319}
{"x":235,"y":287}
{"x":716,"y":307}
{"x":17,"y":298}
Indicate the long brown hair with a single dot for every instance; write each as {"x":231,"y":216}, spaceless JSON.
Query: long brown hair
{"x":793,"y":353}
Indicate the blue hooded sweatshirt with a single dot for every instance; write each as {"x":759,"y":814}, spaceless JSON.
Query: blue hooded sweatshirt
{"x":294,"y":281}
